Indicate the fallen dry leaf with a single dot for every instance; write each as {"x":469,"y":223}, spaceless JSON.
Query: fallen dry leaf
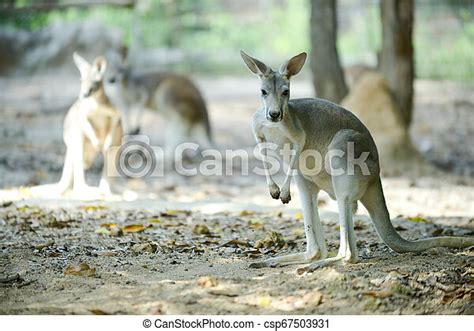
{"x":131,"y":228}
{"x":201,"y":229}
{"x":255,"y":223}
{"x":379,"y":294}
{"x":459,"y":293}
{"x":207,"y":282}
{"x":108,"y":225}
{"x":109,"y":229}
{"x":82,"y":269}
{"x":417,"y":219}
{"x":105,"y":253}
{"x":263,"y":301}
{"x":175,"y":212}
{"x":245,"y":213}
{"x":148,"y":247}
{"x":297,"y":232}
{"x":235,"y":243}
{"x":103,"y":231}
{"x":30,"y":209}
{"x":98,"y":312}
{"x":294,"y":302}
{"x":93,"y":208}
{"x":225,"y":291}
{"x":271,"y":239}
{"x":44,"y":245}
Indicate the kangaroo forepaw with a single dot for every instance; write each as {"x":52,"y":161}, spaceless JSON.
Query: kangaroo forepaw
{"x":285,"y":196}
{"x":274,"y":191}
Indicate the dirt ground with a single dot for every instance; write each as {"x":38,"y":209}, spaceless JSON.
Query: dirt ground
{"x":183,"y":245}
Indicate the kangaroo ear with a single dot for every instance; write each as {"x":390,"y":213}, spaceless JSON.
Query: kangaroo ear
{"x":81,"y":64}
{"x":100,"y":64}
{"x":257,"y":67}
{"x":293,"y":65}
{"x":124,"y":51}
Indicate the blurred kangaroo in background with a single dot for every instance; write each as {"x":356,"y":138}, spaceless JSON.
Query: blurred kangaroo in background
{"x":175,"y":96}
{"x":92,"y":125}
{"x":317,"y":125}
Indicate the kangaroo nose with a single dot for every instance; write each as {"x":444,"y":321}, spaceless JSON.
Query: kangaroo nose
{"x":274,"y":115}
{"x":135,"y":131}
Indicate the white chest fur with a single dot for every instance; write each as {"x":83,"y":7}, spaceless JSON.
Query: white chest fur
{"x":275,"y":133}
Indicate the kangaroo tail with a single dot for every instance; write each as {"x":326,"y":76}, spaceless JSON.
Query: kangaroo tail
{"x":210,"y":138}
{"x":374,"y":201}
{"x":207,"y":126}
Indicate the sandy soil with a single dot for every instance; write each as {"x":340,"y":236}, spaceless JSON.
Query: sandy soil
{"x":184,"y":245}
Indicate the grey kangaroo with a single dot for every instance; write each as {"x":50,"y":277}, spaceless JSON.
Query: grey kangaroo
{"x":92,"y":125}
{"x":175,"y":96}
{"x":324,"y":127}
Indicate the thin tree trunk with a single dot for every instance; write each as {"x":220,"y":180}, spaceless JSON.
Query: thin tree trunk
{"x":396,"y":58}
{"x":328,"y":76}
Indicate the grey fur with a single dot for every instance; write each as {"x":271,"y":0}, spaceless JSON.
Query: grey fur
{"x":317,"y":124}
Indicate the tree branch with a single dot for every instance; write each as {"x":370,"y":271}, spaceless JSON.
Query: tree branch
{"x":10,"y":8}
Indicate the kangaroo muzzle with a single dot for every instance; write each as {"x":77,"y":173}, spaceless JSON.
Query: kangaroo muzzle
{"x":274,"y":116}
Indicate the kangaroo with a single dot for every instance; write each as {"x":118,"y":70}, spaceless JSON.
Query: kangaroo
{"x":92,"y":125}
{"x":321,"y":126}
{"x":175,"y":96}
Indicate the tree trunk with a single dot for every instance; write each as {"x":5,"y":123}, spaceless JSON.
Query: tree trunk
{"x":328,"y":77}
{"x":396,"y":58}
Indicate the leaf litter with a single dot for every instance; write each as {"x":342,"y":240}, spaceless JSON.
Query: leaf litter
{"x":212,"y":252}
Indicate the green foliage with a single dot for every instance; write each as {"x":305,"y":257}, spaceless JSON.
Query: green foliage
{"x":186,"y":24}
{"x":276,"y":29}
{"x":440,"y":55}
{"x":360,"y":42}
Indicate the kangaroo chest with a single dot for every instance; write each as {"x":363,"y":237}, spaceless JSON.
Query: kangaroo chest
{"x":279,"y":137}
{"x":274,"y":135}
{"x":100,"y":117}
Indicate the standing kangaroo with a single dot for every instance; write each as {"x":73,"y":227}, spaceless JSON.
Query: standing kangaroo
{"x":175,"y":96}
{"x":92,"y":125}
{"x":321,"y":126}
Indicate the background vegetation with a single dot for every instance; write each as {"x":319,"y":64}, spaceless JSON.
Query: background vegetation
{"x":211,"y":31}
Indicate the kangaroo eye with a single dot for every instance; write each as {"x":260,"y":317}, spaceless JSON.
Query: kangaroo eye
{"x":285,"y":92}
{"x":264,"y":93}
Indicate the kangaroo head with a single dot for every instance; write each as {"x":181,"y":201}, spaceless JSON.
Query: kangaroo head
{"x":118,"y":67}
{"x":91,"y":75}
{"x":275,"y":85}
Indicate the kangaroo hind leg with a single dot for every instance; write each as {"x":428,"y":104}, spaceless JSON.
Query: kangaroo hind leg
{"x":349,"y":184}
{"x":315,"y":243}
